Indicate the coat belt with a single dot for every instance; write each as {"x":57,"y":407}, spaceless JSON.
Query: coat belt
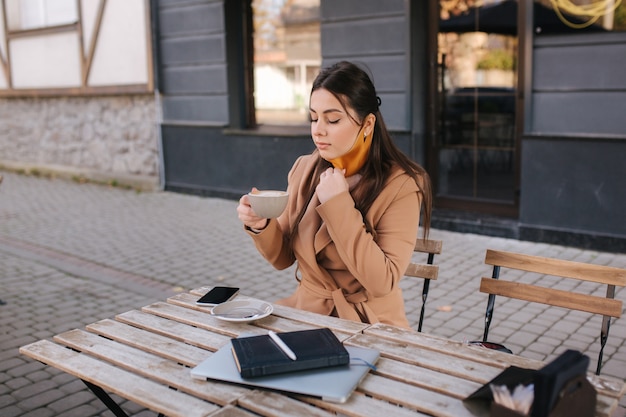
{"x":349,"y":306}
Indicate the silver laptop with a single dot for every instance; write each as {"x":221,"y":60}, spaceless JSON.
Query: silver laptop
{"x":334,"y":384}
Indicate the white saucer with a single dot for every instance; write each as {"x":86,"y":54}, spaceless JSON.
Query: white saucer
{"x":242,"y":310}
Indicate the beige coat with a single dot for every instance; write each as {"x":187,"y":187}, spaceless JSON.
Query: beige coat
{"x":342,"y":270}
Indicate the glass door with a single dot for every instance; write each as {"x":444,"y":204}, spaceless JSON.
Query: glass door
{"x":475,"y":120}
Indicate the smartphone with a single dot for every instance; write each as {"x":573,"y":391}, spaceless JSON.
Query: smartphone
{"x":218,"y":295}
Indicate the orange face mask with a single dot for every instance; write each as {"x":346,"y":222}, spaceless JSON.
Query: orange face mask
{"x":353,"y":160}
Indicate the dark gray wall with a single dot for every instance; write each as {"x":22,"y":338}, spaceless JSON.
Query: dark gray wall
{"x":573,"y":171}
{"x":574,"y":184}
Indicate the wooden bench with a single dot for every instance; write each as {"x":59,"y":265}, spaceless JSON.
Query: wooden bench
{"x":427,"y":271}
{"x":607,"y":306}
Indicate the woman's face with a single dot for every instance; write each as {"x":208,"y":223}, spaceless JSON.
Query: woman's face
{"x":332,"y":129}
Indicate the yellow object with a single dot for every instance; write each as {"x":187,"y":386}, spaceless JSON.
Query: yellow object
{"x":353,"y":160}
{"x":593,"y":11}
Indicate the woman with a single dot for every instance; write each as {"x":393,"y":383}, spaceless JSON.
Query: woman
{"x":353,"y":211}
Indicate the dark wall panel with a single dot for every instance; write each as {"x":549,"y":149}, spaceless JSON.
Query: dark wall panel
{"x":196,"y":109}
{"x":193,"y":50}
{"x":341,"y":9}
{"x":581,"y":66}
{"x":208,"y":79}
{"x":574,"y":185}
{"x":579,"y":113}
{"x":206,"y":160}
{"x":199,"y":17}
{"x":389,"y":73}
{"x":365,"y":36}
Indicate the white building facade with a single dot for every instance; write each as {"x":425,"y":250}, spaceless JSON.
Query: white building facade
{"x":77,"y":89}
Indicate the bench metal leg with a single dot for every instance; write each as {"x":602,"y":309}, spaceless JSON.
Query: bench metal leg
{"x":431,"y":259}
{"x":491,"y":302}
{"x":424,"y":297}
{"x":606,"y":326}
{"x":604,"y":335}
{"x":488,"y":315}
{"x":106,"y":399}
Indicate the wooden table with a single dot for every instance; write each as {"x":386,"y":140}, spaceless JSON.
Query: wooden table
{"x":145,"y":356}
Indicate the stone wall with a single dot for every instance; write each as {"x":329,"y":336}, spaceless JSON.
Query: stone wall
{"x":112,"y":137}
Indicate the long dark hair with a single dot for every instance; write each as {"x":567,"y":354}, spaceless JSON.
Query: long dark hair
{"x":353,"y":88}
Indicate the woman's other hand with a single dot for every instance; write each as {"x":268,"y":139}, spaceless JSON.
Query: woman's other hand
{"x":332,"y":183}
{"x":247,"y":216}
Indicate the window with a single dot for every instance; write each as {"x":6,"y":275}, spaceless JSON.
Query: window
{"x":477,"y":84}
{"x":287,"y":58}
{"x":37,"y":14}
{"x":50,"y":47}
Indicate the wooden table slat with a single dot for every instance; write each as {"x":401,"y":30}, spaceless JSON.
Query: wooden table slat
{"x":165,"y":347}
{"x":460,"y":349}
{"x":126,"y":384}
{"x":147,"y":365}
{"x":450,"y":385}
{"x":443,"y":363}
{"x":363,"y":406}
{"x":198,"y":318}
{"x":175,"y":330}
{"x":334,"y":323}
{"x":420,"y":399}
{"x":230,"y":411}
{"x":272,"y":404}
{"x":203,"y":319}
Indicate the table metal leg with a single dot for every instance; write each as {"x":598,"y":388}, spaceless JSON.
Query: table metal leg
{"x":106,"y":399}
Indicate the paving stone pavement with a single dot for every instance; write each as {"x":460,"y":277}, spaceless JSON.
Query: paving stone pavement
{"x":72,"y":254}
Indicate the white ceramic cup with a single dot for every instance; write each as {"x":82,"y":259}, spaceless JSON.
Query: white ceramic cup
{"x":268,"y":203}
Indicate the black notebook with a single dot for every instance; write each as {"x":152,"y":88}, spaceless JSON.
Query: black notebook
{"x":257,"y":356}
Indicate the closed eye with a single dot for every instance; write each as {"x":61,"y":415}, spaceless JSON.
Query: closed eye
{"x":332,"y":122}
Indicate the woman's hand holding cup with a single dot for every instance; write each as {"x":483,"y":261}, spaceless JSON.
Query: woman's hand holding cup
{"x":247,"y":215}
{"x":257,"y":206}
